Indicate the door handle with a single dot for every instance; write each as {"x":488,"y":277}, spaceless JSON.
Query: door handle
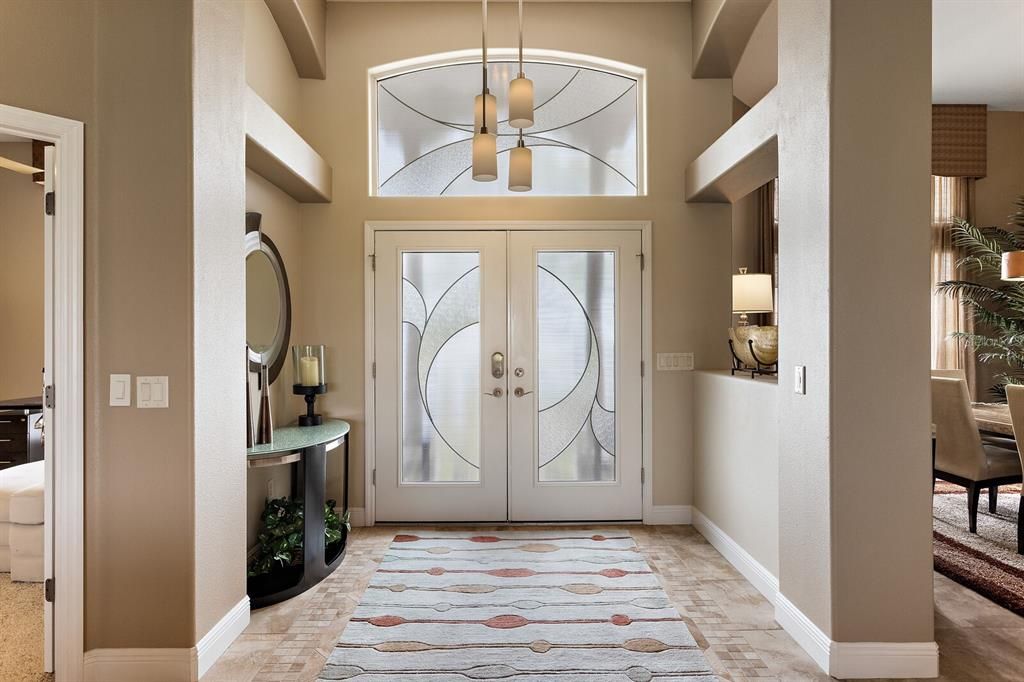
{"x":519,"y":392}
{"x":496,"y":393}
{"x":498,"y":365}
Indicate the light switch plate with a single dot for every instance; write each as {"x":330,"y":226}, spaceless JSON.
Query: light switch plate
{"x":675,"y":362}
{"x":151,"y":392}
{"x":800,"y":380}
{"x":120,"y":390}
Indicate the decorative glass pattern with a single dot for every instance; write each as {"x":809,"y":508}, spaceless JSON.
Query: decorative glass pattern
{"x":576,"y":365}
{"x":584,"y":138}
{"x":440,"y":367}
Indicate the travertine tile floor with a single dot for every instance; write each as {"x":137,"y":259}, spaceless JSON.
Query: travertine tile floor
{"x":728,"y":617}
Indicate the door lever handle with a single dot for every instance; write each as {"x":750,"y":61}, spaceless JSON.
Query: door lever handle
{"x":519,"y":392}
{"x":496,"y":393}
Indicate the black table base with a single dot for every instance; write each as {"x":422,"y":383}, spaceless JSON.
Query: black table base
{"x":311,"y":482}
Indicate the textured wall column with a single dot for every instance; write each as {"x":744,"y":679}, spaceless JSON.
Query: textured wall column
{"x":854,"y":148}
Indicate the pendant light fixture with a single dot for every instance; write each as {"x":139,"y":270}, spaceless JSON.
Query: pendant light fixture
{"x":520,"y":91}
{"x":520,"y":167}
{"x":485,"y":124}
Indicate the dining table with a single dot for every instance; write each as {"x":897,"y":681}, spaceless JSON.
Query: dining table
{"x":993,"y":418}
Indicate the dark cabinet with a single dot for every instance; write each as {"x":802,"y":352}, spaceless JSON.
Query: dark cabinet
{"x":21,"y":432}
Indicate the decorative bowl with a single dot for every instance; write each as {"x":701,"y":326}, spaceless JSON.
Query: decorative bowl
{"x":766,"y":343}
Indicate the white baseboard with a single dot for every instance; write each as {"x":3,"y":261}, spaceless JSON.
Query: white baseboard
{"x":357,"y":516}
{"x":215,"y":642}
{"x":668,"y":515}
{"x":808,"y":635}
{"x":858,"y":660}
{"x":140,"y":665}
{"x":886,"y":660}
{"x":760,"y":577}
{"x":168,"y":665}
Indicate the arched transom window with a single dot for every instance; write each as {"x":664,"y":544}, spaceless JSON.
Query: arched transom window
{"x":586,"y":138}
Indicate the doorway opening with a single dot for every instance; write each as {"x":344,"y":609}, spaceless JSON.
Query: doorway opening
{"x":52,"y":539}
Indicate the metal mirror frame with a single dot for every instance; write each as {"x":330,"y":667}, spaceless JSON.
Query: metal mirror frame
{"x":256,"y":240}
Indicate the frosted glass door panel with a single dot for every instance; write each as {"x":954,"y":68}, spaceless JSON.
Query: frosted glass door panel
{"x":440,"y":367}
{"x":576,"y":365}
{"x":574,"y":415}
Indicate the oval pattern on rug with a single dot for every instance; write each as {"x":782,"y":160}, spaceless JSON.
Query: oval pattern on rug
{"x":518,"y":605}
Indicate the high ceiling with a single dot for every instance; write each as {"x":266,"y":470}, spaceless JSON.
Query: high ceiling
{"x":978,"y":53}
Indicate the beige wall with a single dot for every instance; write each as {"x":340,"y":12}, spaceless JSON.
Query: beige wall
{"x":995,"y":193}
{"x":691,"y":258}
{"x":140,"y":554}
{"x":269,"y":69}
{"x":736,"y":460}
{"x":21,"y":277}
{"x":758,"y":69}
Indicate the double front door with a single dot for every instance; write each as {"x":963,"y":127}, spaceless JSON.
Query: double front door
{"x":508,"y":375}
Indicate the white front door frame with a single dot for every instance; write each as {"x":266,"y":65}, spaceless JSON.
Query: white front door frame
{"x":65,"y":437}
{"x":647,"y":343}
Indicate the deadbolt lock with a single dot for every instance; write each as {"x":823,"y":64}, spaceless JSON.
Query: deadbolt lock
{"x":497,"y":365}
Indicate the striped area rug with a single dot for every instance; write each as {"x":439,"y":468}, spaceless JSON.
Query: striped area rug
{"x":524,"y":605}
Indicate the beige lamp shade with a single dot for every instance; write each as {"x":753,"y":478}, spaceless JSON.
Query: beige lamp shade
{"x":751,"y":293}
{"x":492,"y":113}
{"x":1013,"y":266}
{"x":485,"y":157}
{"x":520,"y":103}
{"x":520,"y":169}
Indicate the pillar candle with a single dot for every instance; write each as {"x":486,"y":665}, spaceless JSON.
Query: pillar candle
{"x":309,"y":371}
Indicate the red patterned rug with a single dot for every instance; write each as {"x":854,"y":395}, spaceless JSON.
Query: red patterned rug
{"x":986,"y":562}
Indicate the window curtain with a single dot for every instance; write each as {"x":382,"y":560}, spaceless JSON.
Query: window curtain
{"x":768,"y":228}
{"x":951,"y":198}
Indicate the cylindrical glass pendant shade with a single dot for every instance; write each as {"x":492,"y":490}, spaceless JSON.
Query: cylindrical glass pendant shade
{"x":520,"y":170}
{"x":492,"y":113}
{"x":485,"y":157}
{"x":520,"y":103}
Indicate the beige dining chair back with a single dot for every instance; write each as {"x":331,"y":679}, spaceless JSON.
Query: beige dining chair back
{"x":961,"y":456}
{"x":1015,"y":397}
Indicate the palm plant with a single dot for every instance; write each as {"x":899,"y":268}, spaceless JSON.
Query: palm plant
{"x":996,"y":306}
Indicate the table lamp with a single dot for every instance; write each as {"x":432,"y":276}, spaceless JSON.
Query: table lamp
{"x":751,"y":293}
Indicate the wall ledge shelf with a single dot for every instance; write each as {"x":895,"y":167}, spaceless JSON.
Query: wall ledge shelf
{"x":274,"y":150}
{"x":745,"y":157}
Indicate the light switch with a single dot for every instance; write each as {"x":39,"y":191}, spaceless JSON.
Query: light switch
{"x":675,"y":362}
{"x":151,"y":392}
{"x":120,"y":390}
{"x":800,"y":380}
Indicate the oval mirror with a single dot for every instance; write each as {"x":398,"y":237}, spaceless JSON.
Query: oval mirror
{"x":267,"y":301}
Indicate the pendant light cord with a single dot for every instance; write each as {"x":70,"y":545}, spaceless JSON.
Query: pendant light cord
{"x":521,"y":73}
{"x":483,"y":118}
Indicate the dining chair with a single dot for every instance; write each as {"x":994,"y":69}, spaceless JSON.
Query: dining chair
{"x":961,"y":457}
{"x":1015,"y":397}
{"x":1001,"y":441}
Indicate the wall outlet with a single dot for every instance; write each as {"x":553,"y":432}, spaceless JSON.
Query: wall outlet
{"x":800,"y":380}
{"x":675,"y":362}
{"x":270,"y":489}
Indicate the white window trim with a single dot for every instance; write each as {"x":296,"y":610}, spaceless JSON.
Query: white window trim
{"x":399,"y":68}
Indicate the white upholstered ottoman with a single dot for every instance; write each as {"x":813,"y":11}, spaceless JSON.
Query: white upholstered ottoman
{"x":21,"y":522}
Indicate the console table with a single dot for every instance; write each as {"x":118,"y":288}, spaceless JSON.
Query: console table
{"x":308,"y":447}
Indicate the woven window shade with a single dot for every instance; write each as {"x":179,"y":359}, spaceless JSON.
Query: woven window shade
{"x":959,"y":139}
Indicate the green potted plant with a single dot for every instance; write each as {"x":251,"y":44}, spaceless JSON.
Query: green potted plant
{"x":277,"y":562}
{"x":996,"y":306}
